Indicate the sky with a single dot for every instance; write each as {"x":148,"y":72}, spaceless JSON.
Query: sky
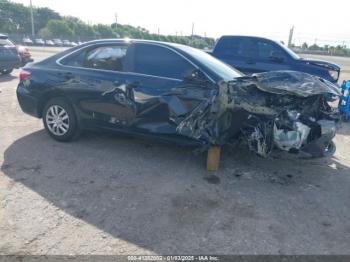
{"x":323,"y":21}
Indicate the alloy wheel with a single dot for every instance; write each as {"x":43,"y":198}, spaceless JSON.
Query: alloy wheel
{"x":57,"y":120}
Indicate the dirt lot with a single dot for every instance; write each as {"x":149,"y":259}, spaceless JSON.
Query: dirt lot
{"x":109,"y":194}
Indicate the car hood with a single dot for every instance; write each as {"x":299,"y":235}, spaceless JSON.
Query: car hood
{"x":292,"y":83}
{"x":321,"y":63}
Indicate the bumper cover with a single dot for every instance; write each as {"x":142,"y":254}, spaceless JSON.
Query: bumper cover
{"x":28,"y":103}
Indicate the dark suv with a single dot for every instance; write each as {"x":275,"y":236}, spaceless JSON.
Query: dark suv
{"x":251,"y":54}
{"x":9,"y":58}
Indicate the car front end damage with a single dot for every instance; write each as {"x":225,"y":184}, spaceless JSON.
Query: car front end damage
{"x":281,"y":110}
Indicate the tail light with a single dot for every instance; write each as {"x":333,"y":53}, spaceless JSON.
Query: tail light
{"x":24,"y":74}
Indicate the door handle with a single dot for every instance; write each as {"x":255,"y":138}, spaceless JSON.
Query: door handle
{"x":250,"y":61}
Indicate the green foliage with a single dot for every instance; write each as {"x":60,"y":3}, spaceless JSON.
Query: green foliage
{"x":15,"y":19}
{"x":339,"y":50}
{"x":59,"y":28}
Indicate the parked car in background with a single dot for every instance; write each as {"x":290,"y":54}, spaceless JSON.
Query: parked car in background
{"x":179,"y":94}
{"x":256,"y":54}
{"x":9,"y":58}
{"x":27,"y":41}
{"x":73,"y":43}
{"x":66,"y":43}
{"x":57,"y":42}
{"x":24,"y":54}
{"x":39,"y":42}
{"x":49,"y":43}
{"x":80,"y":43}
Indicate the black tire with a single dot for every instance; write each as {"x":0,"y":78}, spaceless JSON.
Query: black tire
{"x":7,"y":71}
{"x":72,"y":131}
{"x":330,"y":149}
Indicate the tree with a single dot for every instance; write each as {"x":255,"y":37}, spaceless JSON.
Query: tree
{"x":45,"y":33}
{"x":104,"y":31}
{"x":304,"y":46}
{"x":59,"y":28}
{"x":42,"y":16}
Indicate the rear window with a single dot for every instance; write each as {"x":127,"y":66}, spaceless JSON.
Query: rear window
{"x":232,"y":46}
{"x":6,"y":42}
{"x":236,"y":47}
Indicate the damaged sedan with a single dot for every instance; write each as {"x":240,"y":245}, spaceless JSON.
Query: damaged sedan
{"x":178,"y":94}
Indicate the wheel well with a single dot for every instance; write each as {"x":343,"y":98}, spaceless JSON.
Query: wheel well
{"x":47,"y":97}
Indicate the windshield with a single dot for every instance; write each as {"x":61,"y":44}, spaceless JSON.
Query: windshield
{"x":289,"y":51}
{"x":224,"y":71}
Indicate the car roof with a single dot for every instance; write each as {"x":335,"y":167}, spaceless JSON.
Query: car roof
{"x":246,"y":36}
{"x":127,"y":41}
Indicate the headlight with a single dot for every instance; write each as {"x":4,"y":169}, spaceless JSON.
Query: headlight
{"x":334,"y":74}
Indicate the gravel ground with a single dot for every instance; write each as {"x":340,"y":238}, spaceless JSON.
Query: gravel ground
{"x":111,"y":194}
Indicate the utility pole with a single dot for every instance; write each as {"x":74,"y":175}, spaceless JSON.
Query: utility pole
{"x":192,"y":29}
{"x":32,"y":18}
{"x":116,"y":25}
{"x":290,"y":39}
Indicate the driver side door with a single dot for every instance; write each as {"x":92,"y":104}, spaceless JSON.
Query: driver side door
{"x":161,"y":95}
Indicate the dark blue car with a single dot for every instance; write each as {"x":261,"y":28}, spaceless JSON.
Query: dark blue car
{"x":256,"y":54}
{"x":176,"y":93}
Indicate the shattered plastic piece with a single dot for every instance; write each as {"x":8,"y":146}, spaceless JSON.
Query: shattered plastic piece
{"x":287,"y":140}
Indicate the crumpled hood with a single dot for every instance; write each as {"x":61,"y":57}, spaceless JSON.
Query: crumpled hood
{"x":321,"y":63}
{"x":293,"y":83}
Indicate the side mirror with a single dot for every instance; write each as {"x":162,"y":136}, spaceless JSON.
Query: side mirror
{"x":277,"y":57}
{"x":195,"y":76}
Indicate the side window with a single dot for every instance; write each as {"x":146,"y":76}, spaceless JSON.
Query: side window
{"x":106,"y":57}
{"x":103,"y":57}
{"x":266,"y":50}
{"x":231,"y":46}
{"x":250,"y":49}
{"x":159,"y":61}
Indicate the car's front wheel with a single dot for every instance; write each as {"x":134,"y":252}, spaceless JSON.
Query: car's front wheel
{"x":60,"y":120}
{"x":6,"y":71}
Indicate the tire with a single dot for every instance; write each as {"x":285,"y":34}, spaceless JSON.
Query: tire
{"x":7,"y":71}
{"x":330,"y":149}
{"x":60,"y":120}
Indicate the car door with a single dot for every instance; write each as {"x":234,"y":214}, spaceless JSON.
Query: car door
{"x":94,"y":80}
{"x":161,"y":95}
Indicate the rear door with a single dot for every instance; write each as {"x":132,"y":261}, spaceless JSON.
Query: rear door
{"x":94,"y":80}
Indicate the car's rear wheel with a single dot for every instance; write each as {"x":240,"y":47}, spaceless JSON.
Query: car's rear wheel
{"x":6,"y":71}
{"x":60,"y":120}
